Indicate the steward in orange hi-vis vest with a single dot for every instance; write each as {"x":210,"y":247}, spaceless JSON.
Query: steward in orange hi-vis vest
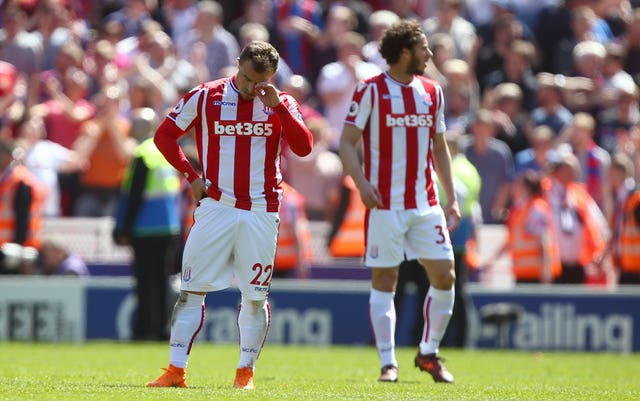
{"x":532,"y":254}
{"x":347,"y":237}
{"x":294,"y":238}
{"x":21,"y":201}
{"x":630,"y":235}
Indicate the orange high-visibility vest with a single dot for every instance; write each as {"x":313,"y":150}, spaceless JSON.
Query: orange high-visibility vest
{"x":8,"y":187}
{"x":287,"y":254}
{"x":349,"y":240}
{"x":630,"y":236}
{"x":471,"y":254}
{"x":593,"y":239}
{"x":527,"y":250}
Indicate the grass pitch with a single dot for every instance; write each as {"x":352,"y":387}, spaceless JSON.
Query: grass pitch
{"x":118,"y":371}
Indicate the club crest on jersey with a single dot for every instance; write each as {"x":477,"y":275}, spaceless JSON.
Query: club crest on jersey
{"x":186,"y":275}
{"x":268,"y":110}
{"x":373,"y":252}
{"x":426,"y":99}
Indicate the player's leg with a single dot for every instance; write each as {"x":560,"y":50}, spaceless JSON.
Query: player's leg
{"x":253,"y":268}
{"x":428,"y":240}
{"x":384,"y":252}
{"x":204,"y":269}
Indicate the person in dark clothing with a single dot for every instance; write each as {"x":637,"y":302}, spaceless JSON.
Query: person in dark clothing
{"x":149,"y":220}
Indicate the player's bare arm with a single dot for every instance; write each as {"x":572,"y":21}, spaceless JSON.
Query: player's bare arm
{"x":349,"y":154}
{"x":442,"y":161}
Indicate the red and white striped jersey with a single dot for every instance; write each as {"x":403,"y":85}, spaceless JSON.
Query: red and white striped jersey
{"x":398,"y":123}
{"x":239,"y":143}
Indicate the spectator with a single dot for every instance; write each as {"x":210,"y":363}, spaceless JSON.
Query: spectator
{"x":12,"y":93}
{"x":181,"y":16}
{"x":346,"y":237}
{"x":582,"y":228}
{"x":300,"y":25}
{"x":132,"y":16}
{"x":517,"y":68}
{"x":57,"y":260}
{"x":105,"y":141}
{"x":294,"y":252}
{"x":532,"y":239}
{"x":631,"y":41}
{"x":255,"y":12}
{"x":22,"y":48}
{"x":53,"y":24}
{"x":462,"y":94}
{"x":339,"y":22}
{"x":468,"y":184}
{"x":448,"y":20}
{"x":550,"y":110}
{"x":22,"y":197}
{"x":148,"y":219}
{"x":168,"y":75}
{"x":494,"y":162}
{"x":513,"y":121}
{"x":64,"y":115}
{"x":46,"y":159}
{"x":625,"y":224}
{"x":541,"y":153}
{"x":594,"y":160}
{"x":616,"y":122}
{"x":316,"y":176}
{"x":221,"y":47}
{"x":378,"y":21}
{"x":253,"y":31}
{"x":67,"y":108}
{"x":488,"y":56}
{"x":298,"y":87}
{"x":101,"y":66}
{"x":338,"y":80}
{"x":360,"y":8}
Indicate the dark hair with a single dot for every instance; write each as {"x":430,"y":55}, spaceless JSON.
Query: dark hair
{"x":263,"y":56}
{"x":399,"y":36}
{"x":532,"y":182}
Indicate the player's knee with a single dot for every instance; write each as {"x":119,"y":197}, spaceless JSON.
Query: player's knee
{"x":254,"y":305}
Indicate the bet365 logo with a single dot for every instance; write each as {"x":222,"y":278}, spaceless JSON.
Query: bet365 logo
{"x":409,"y":120}
{"x":243,"y":128}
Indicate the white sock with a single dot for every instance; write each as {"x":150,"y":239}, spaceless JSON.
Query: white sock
{"x":382,"y":313}
{"x":254,"y":318}
{"x":187,"y":320}
{"x":438,"y":307}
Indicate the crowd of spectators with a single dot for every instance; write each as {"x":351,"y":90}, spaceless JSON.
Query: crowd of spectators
{"x":527,"y":83}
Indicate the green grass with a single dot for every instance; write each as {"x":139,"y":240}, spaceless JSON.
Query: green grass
{"x":118,"y":371}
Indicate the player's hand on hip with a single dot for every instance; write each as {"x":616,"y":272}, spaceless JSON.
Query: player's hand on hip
{"x":267,"y":93}
{"x":198,"y":189}
{"x":370,"y":196}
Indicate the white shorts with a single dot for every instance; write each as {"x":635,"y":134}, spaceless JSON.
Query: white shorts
{"x":392,"y":234}
{"x":226,"y":243}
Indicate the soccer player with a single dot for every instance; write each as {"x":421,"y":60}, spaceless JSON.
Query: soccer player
{"x":239,"y":124}
{"x":399,"y":115}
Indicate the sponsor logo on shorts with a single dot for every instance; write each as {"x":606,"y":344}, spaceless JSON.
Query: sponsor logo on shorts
{"x":373,"y":252}
{"x":177,"y":345}
{"x":186,"y":275}
{"x":261,"y":289}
